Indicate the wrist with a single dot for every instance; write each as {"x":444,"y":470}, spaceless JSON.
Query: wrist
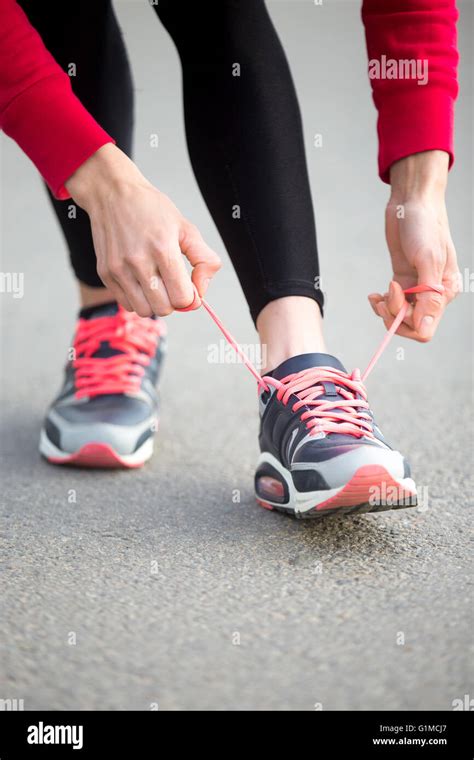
{"x":420,"y":176}
{"x":100,"y":175}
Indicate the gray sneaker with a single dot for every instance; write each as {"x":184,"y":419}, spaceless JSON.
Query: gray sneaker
{"x":106,"y":413}
{"x":321,"y":451}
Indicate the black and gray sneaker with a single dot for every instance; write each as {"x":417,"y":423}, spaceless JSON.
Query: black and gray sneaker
{"x":321,"y":449}
{"x":106,"y":413}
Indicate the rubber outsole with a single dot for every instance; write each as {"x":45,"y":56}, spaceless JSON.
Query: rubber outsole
{"x":356,"y":497}
{"x":96,"y":455}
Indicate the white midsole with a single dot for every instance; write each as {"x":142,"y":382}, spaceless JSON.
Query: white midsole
{"x":302,"y":502}
{"x":49,"y":450}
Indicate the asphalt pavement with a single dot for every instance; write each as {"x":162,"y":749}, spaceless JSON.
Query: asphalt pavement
{"x":168,"y":586}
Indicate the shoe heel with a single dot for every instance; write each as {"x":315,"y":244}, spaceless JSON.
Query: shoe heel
{"x":271,"y":488}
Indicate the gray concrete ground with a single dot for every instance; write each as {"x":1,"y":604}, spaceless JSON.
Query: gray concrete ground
{"x":160,"y":573}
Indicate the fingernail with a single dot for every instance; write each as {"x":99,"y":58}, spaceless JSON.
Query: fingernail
{"x":425,"y":326}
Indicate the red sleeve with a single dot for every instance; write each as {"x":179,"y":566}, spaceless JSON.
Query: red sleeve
{"x":412,"y":117}
{"x":37,"y":106}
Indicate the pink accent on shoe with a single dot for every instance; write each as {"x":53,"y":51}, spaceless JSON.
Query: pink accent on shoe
{"x":362,"y":487}
{"x":265,"y":505}
{"x":99,"y":455}
{"x":137,"y":338}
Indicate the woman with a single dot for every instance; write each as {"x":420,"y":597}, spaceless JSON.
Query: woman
{"x":245,"y":141}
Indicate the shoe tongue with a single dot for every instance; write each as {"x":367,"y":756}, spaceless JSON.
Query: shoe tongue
{"x":102,"y":310}
{"x":305,"y":361}
{"x":95,"y":312}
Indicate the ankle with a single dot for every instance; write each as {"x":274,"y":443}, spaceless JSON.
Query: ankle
{"x":90,"y":296}
{"x":287,"y":327}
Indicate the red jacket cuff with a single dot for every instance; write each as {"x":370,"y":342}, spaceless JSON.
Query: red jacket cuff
{"x":50,"y":109}
{"x":420,"y":120}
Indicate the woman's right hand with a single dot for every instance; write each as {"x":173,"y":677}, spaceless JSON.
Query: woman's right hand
{"x":140,"y":236}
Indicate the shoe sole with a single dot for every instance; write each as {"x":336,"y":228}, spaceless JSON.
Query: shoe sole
{"x":371,"y":489}
{"x":96,"y":455}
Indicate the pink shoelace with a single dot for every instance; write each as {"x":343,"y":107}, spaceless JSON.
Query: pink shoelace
{"x":124,"y":331}
{"x":348,"y":413}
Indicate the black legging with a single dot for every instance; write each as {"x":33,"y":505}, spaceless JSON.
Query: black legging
{"x":244,"y":131}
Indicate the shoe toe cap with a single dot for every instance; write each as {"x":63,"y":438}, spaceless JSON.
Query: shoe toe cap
{"x":339,"y":463}
{"x":123,"y":423}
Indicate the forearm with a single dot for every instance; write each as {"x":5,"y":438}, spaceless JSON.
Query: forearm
{"x":421,"y":176}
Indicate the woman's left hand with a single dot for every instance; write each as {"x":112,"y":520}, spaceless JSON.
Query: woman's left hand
{"x":420,"y":245}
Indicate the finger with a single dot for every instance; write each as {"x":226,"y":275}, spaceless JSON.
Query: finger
{"x":374,"y":299}
{"x":429,"y":306}
{"x":403,"y":330}
{"x":395,"y":298}
{"x":120,"y":296}
{"x":395,"y":301}
{"x":114,"y":287}
{"x":382,"y":311}
{"x":203,"y":259}
{"x":176,"y":278}
{"x":452,"y":278}
{"x":149,"y":276}
{"x":133,"y":290}
{"x":157,"y":295}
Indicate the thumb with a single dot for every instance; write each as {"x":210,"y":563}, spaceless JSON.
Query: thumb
{"x":204,"y":261}
{"x":429,"y":306}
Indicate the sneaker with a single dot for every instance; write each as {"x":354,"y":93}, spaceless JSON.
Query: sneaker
{"x":107,"y":410}
{"x":321,"y":451}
